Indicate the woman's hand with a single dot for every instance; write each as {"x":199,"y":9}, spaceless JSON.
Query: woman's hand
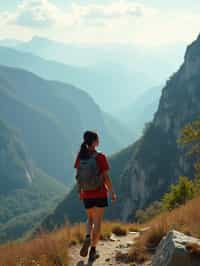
{"x":113,"y":196}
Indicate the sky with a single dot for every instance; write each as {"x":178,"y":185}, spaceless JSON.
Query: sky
{"x":140,"y":22}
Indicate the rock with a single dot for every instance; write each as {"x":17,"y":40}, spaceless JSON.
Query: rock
{"x":142,"y":230}
{"x":172,"y":251}
{"x":129,"y":243}
{"x":113,"y":237}
{"x":133,"y":233}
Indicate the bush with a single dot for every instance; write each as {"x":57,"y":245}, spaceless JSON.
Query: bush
{"x":179,"y":193}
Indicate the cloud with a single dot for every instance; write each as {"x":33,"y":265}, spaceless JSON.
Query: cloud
{"x":43,"y":13}
{"x":39,"y":14}
{"x":114,"y":12}
{"x":122,"y":21}
{"x":35,"y":13}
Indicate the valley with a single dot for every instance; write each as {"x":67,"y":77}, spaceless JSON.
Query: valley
{"x":114,"y":69}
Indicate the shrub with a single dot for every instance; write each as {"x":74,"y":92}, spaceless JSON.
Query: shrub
{"x":179,"y":193}
{"x":119,"y":231}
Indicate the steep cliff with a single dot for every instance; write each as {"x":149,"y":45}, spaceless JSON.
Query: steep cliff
{"x":159,"y":160}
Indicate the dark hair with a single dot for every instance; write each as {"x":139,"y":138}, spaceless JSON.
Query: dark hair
{"x":88,"y":138}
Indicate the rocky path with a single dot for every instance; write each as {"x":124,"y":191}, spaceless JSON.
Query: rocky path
{"x":107,"y":250}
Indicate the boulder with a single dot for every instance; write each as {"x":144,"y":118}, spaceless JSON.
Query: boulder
{"x":173,"y":251}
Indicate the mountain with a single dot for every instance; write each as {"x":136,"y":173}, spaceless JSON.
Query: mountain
{"x":51,"y":117}
{"x":100,"y":83}
{"x":102,"y":70}
{"x":142,"y":110}
{"x":15,"y":168}
{"x":144,"y":171}
{"x":57,"y":71}
{"x":26,"y":193}
{"x":42,"y":134}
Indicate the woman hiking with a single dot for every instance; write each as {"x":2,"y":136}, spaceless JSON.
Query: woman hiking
{"x":94,"y":185}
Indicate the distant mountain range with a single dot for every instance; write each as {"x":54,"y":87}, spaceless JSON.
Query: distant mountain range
{"x":142,"y":110}
{"x":113,"y":74}
{"x":144,"y":171}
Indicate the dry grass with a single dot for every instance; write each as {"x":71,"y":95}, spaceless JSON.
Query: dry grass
{"x":117,"y":228}
{"x":45,"y":250}
{"x":185,"y":219}
{"x":51,"y":249}
{"x":193,"y":248}
{"x":119,"y":231}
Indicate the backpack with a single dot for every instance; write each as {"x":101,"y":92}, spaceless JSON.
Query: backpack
{"x":88,"y":174}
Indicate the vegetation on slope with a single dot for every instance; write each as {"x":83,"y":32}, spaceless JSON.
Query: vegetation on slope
{"x":52,"y":249}
{"x":14,"y":165}
{"x":183,"y":212}
{"x":26,"y":193}
{"x":24,"y":209}
{"x":185,"y":218}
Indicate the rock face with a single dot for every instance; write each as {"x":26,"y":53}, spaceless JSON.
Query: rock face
{"x":156,"y":160}
{"x":172,"y":251}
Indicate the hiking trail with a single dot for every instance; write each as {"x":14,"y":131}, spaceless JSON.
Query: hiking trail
{"x":107,"y":250}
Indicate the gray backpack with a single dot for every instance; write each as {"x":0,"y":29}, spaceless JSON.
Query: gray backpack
{"x":88,"y":174}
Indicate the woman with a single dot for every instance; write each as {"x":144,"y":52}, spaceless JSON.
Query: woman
{"x":95,"y":199}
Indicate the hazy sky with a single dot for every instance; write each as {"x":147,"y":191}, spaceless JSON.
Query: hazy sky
{"x":144,"y":22}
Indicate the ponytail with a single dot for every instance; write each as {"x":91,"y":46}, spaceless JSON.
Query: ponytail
{"x":84,"y":152}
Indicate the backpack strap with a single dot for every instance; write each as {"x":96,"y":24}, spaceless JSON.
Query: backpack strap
{"x":94,"y":155}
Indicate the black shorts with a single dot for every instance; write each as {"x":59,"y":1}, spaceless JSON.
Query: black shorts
{"x":100,"y":203}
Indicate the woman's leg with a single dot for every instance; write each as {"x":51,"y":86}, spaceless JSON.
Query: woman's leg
{"x":90,"y":220}
{"x":97,"y":220}
{"x":89,"y":226}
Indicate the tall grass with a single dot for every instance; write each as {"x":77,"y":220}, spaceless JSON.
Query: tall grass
{"x":185,"y":219}
{"x":51,"y":249}
{"x":44,"y":250}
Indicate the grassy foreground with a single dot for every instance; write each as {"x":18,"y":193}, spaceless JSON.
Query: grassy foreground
{"x":51,"y":249}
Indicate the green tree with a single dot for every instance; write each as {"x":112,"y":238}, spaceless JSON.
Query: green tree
{"x":179,"y":193}
{"x":190,"y":137}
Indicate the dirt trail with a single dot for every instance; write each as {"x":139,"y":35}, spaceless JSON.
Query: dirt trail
{"x":107,"y":250}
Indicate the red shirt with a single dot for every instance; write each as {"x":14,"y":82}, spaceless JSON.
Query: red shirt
{"x":98,"y":193}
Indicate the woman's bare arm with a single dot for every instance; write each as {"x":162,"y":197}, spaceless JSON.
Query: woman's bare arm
{"x":108,"y":183}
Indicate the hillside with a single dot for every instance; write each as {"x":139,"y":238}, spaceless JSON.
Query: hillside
{"x":146,"y":169}
{"x":79,"y":76}
{"x":61,"y":112}
{"x":37,"y":129}
{"x":16,"y":171}
{"x":26,"y":193}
